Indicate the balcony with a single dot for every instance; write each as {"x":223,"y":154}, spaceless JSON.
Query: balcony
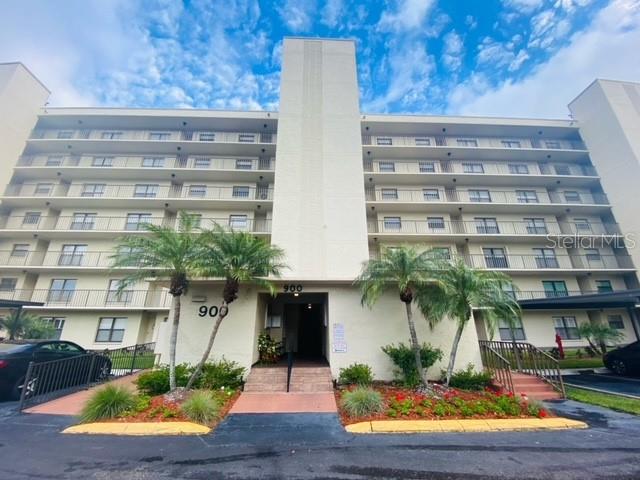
{"x":100,"y":299}
{"x":536,"y":294}
{"x":550,"y":263}
{"x":56,"y":259}
{"x":390,"y":198}
{"x":397,"y":227}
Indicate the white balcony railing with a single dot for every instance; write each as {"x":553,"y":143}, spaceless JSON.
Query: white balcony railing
{"x":93,"y":298}
{"x":155,"y":135}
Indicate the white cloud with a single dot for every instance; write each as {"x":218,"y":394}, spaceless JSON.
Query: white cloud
{"x":297,"y":15}
{"x":602,"y":50}
{"x":332,"y":12}
{"x":494,"y":53}
{"x":571,"y":5}
{"x":470,"y":22}
{"x":453,"y":51}
{"x":524,"y":6}
{"x":407,"y":15}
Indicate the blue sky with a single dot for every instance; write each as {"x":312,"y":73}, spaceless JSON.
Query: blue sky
{"x":478,"y":57}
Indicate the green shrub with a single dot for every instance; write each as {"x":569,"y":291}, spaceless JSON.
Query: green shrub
{"x":402,"y":356}
{"x":468,"y":379}
{"x":222,"y":373}
{"x":362,"y":401}
{"x":201,"y":407}
{"x":269,"y":349}
{"x":156,"y":382}
{"x":107,"y":402}
{"x":356,"y":374}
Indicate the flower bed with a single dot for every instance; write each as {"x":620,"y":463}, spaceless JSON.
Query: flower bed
{"x":403,"y":403}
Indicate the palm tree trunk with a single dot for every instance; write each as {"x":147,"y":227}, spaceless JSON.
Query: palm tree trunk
{"x":207,"y":352}
{"x":454,"y":351}
{"x":415,"y":346}
{"x":173,"y":340}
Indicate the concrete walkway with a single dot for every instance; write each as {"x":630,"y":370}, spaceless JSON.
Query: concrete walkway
{"x":279,"y":402}
{"x":72,"y":404}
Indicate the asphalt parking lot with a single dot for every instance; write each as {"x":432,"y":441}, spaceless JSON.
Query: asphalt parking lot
{"x":605,"y":382}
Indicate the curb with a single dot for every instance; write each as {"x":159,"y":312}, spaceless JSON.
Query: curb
{"x":489,"y":425}
{"x":150,"y":428}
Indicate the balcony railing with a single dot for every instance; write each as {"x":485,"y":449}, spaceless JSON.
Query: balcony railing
{"x":435,"y":195}
{"x":538,"y":294}
{"x":92,"y":298}
{"x":156,"y":135}
{"x":478,"y":168}
{"x":52,"y":258}
{"x":471,"y":142}
{"x":147,"y":192}
{"x":148,"y":162}
{"x":397,"y":225}
{"x":538,"y":262}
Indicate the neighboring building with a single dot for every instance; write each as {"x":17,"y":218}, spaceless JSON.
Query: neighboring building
{"x":329,"y":185}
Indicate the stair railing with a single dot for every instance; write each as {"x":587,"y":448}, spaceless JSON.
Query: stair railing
{"x":497,"y":365}
{"x":289,"y":368}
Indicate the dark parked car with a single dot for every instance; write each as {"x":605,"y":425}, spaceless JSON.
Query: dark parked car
{"x":624,"y":360}
{"x":15,"y":358}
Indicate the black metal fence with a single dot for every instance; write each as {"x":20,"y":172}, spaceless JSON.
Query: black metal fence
{"x":45,"y":381}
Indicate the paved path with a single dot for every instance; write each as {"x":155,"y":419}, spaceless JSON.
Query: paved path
{"x":609,"y":383}
{"x":313,"y":446}
{"x":250,"y":402}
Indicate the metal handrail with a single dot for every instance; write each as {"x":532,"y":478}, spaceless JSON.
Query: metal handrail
{"x":498,"y":366}
{"x":289,"y":368}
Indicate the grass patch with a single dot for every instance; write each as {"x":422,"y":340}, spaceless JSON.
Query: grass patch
{"x":614,"y":402}
{"x":202,"y":407}
{"x":362,"y":401}
{"x":126,"y":361}
{"x":108,"y":402}
{"x":575,"y":362}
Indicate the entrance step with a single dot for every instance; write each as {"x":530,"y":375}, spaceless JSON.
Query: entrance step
{"x":267,"y":379}
{"x":533,"y":387}
{"x":311,"y":379}
{"x":307,"y":379}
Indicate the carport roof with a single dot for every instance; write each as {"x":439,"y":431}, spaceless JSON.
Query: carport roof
{"x":18,"y":304}
{"x":621,"y":299}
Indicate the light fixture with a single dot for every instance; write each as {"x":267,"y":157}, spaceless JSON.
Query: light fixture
{"x":296,"y":294}
{"x":309,"y":306}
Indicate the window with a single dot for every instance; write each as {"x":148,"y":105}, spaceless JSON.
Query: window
{"x":508,"y":333}
{"x":115,"y":295}
{"x":510,"y":290}
{"x":526,"y":196}
{"x":604,"y":286}
{"x":389,"y":193}
{"x":427,"y":167}
{"x":57,"y":323}
{"x":442,"y":252}
{"x":430,"y":194}
{"x":159,"y":136}
{"x":72,"y":255}
{"x":111,"y":135}
{"x":392,"y":223}
{"x":201,"y":162}
{"x":592,"y":254}
{"x":562,"y":169}
{"x":545,"y":258}
{"x":207,"y":137}
{"x":552,"y":144}
{"x":386,"y":166}
{"x":244,"y":164}
{"x":582,"y":224}
{"x":246,"y":138}
{"x":511,"y":144}
{"x":154,"y":162}
{"x":479,"y":196}
{"x":31,"y":218}
{"x":8,"y":284}
{"x":572,"y":196}
{"x":536,"y":226}
{"x":137,"y":221}
{"x":145,"y":190}
{"x":435,"y":223}
{"x":83,"y":221}
{"x":240,"y":192}
{"x":61,"y":290}
{"x":93,"y":190}
{"x":495,"y":258}
{"x":238,"y":222}
{"x":111,"y":329}
{"x":53,"y":161}
{"x":102,"y":162}
{"x":472,"y":167}
{"x":554,"y":288}
{"x":197,"y":191}
{"x":196,"y":218}
{"x":384,"y":141}
{"x":518,"y":169}
{"x":43,"y":189}
{"x":423,"y":142}
{"x":65,"y":134}
{"x":20,"y":250}
{"x":566,"y":327}
{"x":486,"y":225}
{"x":467,"y":142}
{"x":616,"y":321}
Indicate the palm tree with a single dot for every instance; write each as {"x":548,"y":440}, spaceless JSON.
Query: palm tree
{"x":165,"y":253}
{"x":598,"y":335}
{"x":238,"y":257}
{"x":464,"y":288}
{"x":18,"y":323}
{"x":407,"y":272}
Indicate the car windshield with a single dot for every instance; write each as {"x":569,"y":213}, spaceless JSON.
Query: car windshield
{"x":13,"y":348}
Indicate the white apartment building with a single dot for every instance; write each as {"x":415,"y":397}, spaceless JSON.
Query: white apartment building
{"x":330,"y":185}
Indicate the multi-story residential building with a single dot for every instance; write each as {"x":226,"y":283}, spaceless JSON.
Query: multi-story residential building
{"x":332,"y":187}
